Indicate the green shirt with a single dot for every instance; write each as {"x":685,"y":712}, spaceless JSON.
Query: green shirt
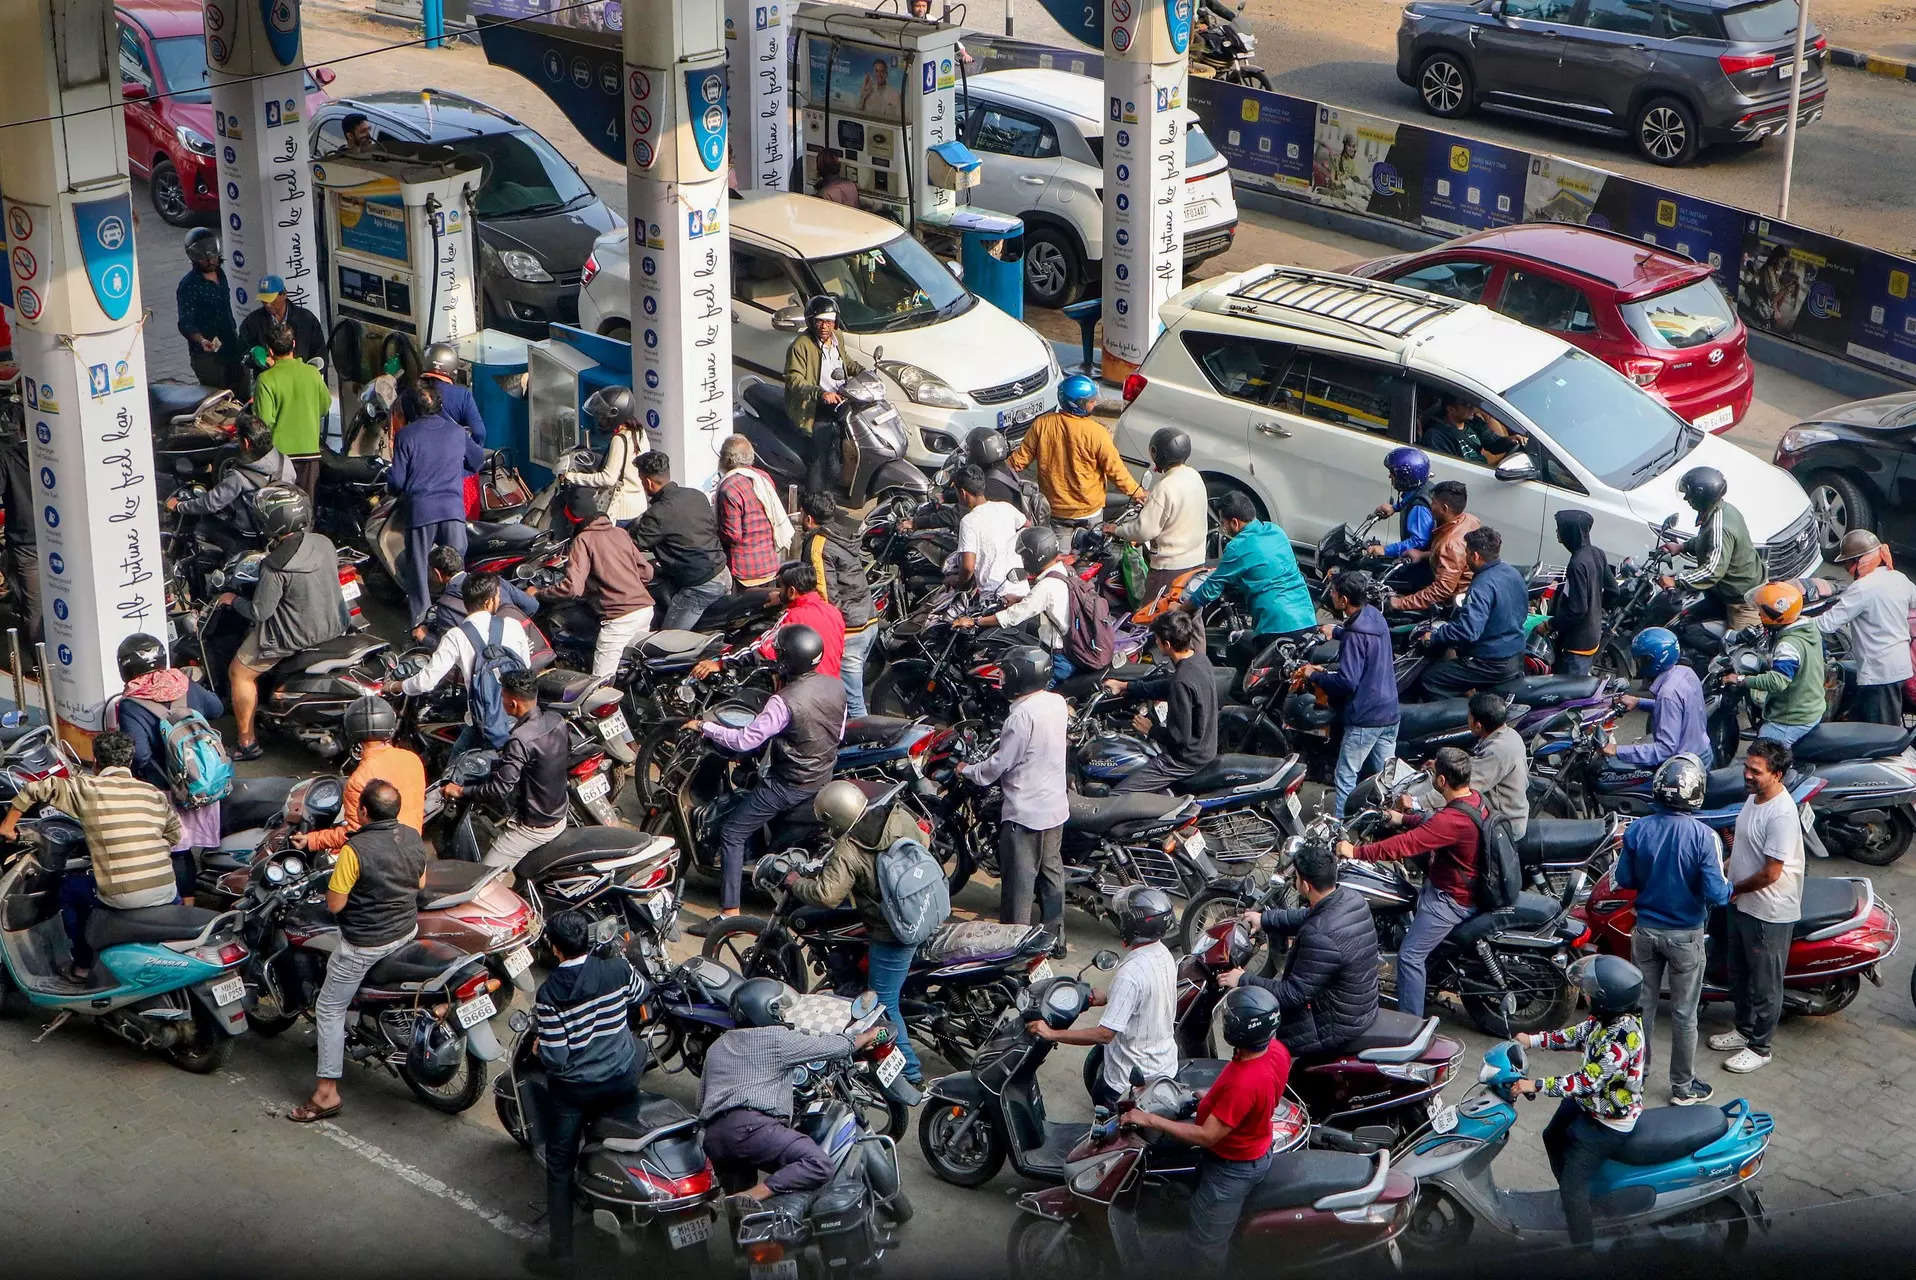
{"x":291,"y":395}
{"x":1799,"y":699}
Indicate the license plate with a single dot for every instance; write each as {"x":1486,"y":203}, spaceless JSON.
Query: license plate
{"x":1445,"y":1121}
{"x":689,"y":1232}
{"x":518,"y":960}
{"x":476,"y":1010}
{"x":783,"y":1269}
{"x":889,"y":1066}
{"x":1022,"y":414}
{"x":349,"y":591}
{"x":593,"y":788}
{"x":614,"y":726}
{"x":229,"y":991}
{"x":1197,"y":210}
{"x":1809,"y":816}
{"x":1786,"y":71}
{"x":1194,"y":843}
{"x":1716,"y":418}
{"x":1041,"y":972}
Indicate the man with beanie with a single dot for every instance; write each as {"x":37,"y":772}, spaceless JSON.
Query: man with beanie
{"x":1576,"y":621}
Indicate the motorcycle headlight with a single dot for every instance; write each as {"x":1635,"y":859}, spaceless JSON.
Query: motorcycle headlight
{"x":922,"y":386}
{"x":1249,"y":39}
{"x":193,"y":140}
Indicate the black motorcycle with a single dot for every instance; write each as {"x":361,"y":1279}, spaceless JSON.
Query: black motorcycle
{"x":1222,"y":49}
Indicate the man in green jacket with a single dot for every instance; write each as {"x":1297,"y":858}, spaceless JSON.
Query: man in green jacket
{"x":1794,"y":700}
{"x":1260,"y":568}
{"x":816,"y":367}
{"x":1727,"y":566}
{"x":291,"y":397}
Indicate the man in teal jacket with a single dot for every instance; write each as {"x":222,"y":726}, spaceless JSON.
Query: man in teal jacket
{"x":1258,"y":567}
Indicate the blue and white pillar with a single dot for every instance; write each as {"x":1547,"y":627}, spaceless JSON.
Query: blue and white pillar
{"x":756,"y":65}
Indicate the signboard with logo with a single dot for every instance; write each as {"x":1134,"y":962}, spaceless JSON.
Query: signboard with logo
{"x":1471,"y":185}
{"x":1266,"y":137}
{"x":582,"y":79}
{"x":755,"y":66}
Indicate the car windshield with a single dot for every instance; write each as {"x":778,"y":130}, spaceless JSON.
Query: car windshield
{"x":1197,"y":148}
{"x":1767,"y":22}
{"x":525,"y":175}
{"x":897,"y":285}
{"x":183,"y":68}
{"x":1690,"y":316}
{"x":1613,"y":428}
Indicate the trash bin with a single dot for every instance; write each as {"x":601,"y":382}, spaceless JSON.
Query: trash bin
{"x":992,"y":253}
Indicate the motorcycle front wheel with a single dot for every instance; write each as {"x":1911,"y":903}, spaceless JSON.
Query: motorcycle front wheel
{"x":1250,"y":77}
{"x":734,"y":944}
{"x":977,"y":1161}
{"x":1040,"y":1249}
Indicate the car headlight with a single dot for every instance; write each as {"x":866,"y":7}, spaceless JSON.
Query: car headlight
{"x":1797,"y":439}
{"x":521,"y":265}
{"x":193,"y":140}
{"x":923,"y":387}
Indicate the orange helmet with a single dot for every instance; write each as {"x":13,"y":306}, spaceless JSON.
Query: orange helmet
{"x":1778,"y":603}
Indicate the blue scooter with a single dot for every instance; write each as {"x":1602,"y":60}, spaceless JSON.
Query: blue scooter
{"x":165,"y":979}
{"x":1682,"y":1167}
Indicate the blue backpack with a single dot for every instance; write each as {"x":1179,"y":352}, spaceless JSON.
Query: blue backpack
{"x":485,"y":693}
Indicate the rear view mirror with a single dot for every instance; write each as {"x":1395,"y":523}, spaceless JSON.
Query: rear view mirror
{"x":518,"y":1020}
{"x":132,"y":92}
{"x":1517,"y":467}
{"x":1106,"y":960}
{"x":789,"y":319}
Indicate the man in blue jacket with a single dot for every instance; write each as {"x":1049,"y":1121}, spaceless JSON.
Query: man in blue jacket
{"x":456,"y":400}
{"x":1365,"y":682}
{"x":432,"y":456}
{"x":1259,"y":567}
{"x":1674,"y":861}
{"x":1679,"y":719}
{"x":1487,"y":632}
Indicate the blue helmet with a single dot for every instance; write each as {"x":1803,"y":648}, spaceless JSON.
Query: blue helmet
{"x":1078,"y":393}
{"x":1656,"y":651}
{"x":1409,"y":468}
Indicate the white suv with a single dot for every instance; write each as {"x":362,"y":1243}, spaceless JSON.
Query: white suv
{"x":940,"y":339}
{"x":1040,"y":134}
{"x":1295,"y":384}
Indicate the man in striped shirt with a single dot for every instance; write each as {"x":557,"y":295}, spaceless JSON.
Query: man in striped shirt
{"x":592,"y":1064}
{"x":131,"y":829}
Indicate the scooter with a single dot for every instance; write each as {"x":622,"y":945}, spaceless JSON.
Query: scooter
{"x":870,"y":432}
{"x":1680,"y":1167}
{"x":1222,"y":49}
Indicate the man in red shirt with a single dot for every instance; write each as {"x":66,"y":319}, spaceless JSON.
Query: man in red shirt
{"x":1449,"y":896}
{"x":796,"y":589}
{"x":1233,"y":1124}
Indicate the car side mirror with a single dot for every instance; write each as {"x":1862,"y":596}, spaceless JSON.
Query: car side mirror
{"x":324,"y":76}
{"x":131,"y":91}
{"x":1517,"y":467}
{"x":789,"y":319}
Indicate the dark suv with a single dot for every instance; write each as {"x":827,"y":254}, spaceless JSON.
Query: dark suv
{"x":1672,"y":75}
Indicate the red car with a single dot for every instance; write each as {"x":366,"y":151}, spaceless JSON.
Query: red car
{"x":1653,"y":315}
{"x":169,"y":107}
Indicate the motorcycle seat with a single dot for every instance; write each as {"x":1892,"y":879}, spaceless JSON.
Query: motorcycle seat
{"x":450,"y":882}
{"x":1428,"y":719}
{"x":1833,"y":742}
{"x":1529,"y":911}
{"x":654,"y":1113}
{"x":1099,"y":814}
{"x":1664,"y":1134}
{"x":254,"y":802}
{"x":1299,"y":1178}
{"x":168,"y":399}
{"x":1557,"y":841}
{"x":1828,"y":900}
{"x":1224,"y":677}
{"x":1726,"y":787}
{"x":344,"y":468}
{"x":413,"y":965}
{"x":978,"y":940}
{"x":767,"y":401}
{"x":561,"y":687}
{"x":581,"y":844}
{"x":726,"y":611}
{"x":1549,"y":691}
{"x":875,"y":731}
{"x":671,"y":648}
{"x":108,"y":927}
{"x":505,"y":533}
{"x":811,"y":919}
{"x":1393,"y":1037}
{"x":332,"y":655}
{"x":1234,"y":770}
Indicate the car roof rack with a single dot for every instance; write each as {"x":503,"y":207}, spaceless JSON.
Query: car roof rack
{"x":1371,"y":307}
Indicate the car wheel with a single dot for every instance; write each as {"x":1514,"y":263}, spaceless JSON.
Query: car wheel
{"x":169,"y":195}
{"x":1054,"y":270}
{"x":1839,"y":504}
{"x":620,"y":329}
{"x":1443,"y":82}
{"x":1215,"y":487}
{"x":1666,"y":132}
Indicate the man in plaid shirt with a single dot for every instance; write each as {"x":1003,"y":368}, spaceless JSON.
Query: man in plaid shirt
{"x":753,"y":527}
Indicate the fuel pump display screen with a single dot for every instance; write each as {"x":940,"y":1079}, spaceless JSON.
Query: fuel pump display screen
{"x":851,"y":136}
{"x":362,"y":287}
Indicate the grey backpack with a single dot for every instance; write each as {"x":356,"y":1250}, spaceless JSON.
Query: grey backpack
{"x":912,"y":892}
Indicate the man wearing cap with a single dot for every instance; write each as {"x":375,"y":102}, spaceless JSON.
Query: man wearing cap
{"x":1876,"y":608}
{"x":309,"y":338}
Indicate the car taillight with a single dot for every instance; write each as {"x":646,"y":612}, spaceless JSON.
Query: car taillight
{"x":1643,"y":372}
{"x":1132,"y":386}
{"x":591,"y":269}
{"x":1820,"y":44}
{"x":588,"y":766}
{"x":1735,"y":62}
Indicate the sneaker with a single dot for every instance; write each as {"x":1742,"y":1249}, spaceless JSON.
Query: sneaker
{"x":1685,"y":1095}
{"x":1746,"y":1061}
{"x":1727,"y":1041}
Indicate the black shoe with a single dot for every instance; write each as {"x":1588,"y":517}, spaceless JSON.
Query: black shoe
{"x":698,"y":928}
{"x":1057,"y":950}
{"x":1692,"y":1093}
{"x":542,"y":1263}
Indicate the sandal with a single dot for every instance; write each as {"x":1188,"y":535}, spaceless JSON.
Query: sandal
{"x":307,"y":1113}
{"x":248,"y":751}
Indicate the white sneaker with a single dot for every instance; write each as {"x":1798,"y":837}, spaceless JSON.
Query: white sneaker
{"x":1746,"y":1061}
{"x":1725,"y":1041}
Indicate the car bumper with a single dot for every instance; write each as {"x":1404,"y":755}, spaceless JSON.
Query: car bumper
{"x":524,"y":308}
{"x":937,"y":433}
{"x":1203,"y":245}
{"x":1753,"y":119}
{"x":200,"y":181}
{"x":1733,"y":393}
{"x":592,"y":317}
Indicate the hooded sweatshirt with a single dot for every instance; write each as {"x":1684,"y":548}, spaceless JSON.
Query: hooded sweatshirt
{"x":1578,"y":617}
{"x":297,"y":604}
{"x":1365,"y":678}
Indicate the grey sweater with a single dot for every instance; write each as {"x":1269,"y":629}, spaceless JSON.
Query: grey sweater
{"x":297,"y":604}
{"x":1500,"y":773}
{"x":750,"y":1067}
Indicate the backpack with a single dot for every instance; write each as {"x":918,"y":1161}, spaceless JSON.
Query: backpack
{"x":1499,"y":870}
{"x":486,"y":695}
{"x":1090,"y":641}
{"x":912,"y":894}
{"x":1033,"y":503}
{"x":197,"y":766}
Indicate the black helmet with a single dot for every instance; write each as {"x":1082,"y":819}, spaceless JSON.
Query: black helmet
{"x":1251,"y":1016}
{"x":1169,"y":447}
{"x":797,"y":651}
{"x":759,"y":1002}
{"x":611,"y":408}
{"x":436,"y":1051}
{"x":821,"y":306}
{"x":140,"y":655}
{"x":986,"y":447}
{"x":421,"y":399}
{"x":282,"y":510}
{"x":587,"y":502}
{"x":1680,"y":783}
{"x":1144,"y":914}
{"x":1702,"y":488}
{"x":1611,"y":984}
{"x":1038,"y":546}
{"x":442,"y":358}
{"x":369,"y":717}
{"x":203,"y":247}
{"x":1026,"y":669}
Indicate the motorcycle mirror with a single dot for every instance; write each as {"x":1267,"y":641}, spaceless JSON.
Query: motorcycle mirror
{"x":1105,"y":960}
{"x":518,"y":1020}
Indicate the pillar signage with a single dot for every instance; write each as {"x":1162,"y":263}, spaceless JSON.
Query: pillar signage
{"x":760,"y":109}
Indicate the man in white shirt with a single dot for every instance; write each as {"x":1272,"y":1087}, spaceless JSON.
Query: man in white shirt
{"x":1176,"y":515}
{"x":987,"y":536}
{"x":1137,"y":1029}
{"x":1030,"y":765}
{"x":456,"y":653}
{"x":1048,"y":601}
{"x":1876,"y":608}
{"x":1766,"y":882}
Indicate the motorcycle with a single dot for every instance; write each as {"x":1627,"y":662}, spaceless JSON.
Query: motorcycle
{"x":1639,"y":600}
{"x":195,"y":429}
{"x":871,"y":439}
{"x":1680,"y":1167}
{"x":1222,"y":49}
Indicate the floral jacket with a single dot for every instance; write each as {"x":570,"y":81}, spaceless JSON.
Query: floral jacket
{"x":1609,"y":1088}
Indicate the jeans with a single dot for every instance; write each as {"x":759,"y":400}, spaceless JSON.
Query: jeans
{"x":344,"y":972}
{"x":1031,"y":863}
{"x":1574,"y":664}
{"x":890,"y":962}
{"x":1152,"y":776}
{"x":570,"y":1109}
{"x":851,"y":667}
{"x":823,"y":463}
{"x":614,"y":635}
{"x":1875,"y":703}
{"x":1459,"y":677}
{"x":1787,"y":734}
{"x":687,"y":604}
{"x":1364,"y":750}
{"x":741,"y":1141}
{"x":1678,"y":953}
{"x":514,"y":840}
{"x":1759,"y":952}
{"x":1436,"y":915}
{"x":1577,"y":1147}
{"x":419,"y":545}
{"x":1217,"y":1204}
{"x":762,"y":804}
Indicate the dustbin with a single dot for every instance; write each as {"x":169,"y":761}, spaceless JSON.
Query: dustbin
{"x":992,"y":252}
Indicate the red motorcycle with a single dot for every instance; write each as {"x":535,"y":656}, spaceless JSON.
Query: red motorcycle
{"x":1845,"y":935}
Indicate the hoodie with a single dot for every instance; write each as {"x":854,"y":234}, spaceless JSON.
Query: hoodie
{"x":833,"y":551}
{"x":297,"y":604}
{"x":1260,"y":568}
{"x":1577,"y":619}
{"x":1365,"y":679}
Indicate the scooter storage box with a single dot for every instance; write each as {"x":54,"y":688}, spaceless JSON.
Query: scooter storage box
{"x":34,"y":898}
{"x":841,"y":1225}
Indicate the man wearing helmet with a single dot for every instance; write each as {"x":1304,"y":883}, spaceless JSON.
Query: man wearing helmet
{"x":1679,"y":722}
{"x":613,"y":414}
{"x":155,"y":692}
{"x":804,"y":722}
{"x":1137,"y":1028}
{"x":1794,"y":699}
{"x":296,"y":606}
{"x":369,"y":725}
{"x":1232,"y":1125}
{"x":1876,"y":608}
{"x":1674,"y":861}
{"x":1175,"y":517}
{"x":1077,"y":459}
{"x":1727,"y":567}
{"x":606,"y":569}
{"x":1409,"y":471}
{"x":432,"y":456}
{"x":816,"y":367}
{"x":260,"y":464}
{"x":1029,"y":764}
{"x":205,"y":308}
{"x":1048,"y":602}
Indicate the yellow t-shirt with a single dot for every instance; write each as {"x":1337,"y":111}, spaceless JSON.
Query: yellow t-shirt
{"x":345,"y":870}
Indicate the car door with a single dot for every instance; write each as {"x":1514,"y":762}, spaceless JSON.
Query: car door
{"x":1542,"y":301}
{"x":1607,"y":52}
{"x":1517,"y":53}
{"x":1019,"y":150}
{"x":1516,"y":509}
{"x":1323,"y":440}
{"x":142,"y":114}
{"x":763,"y":281}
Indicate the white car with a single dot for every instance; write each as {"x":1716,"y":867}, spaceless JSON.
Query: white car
{"x":1295,"y":384}
{"x":953,"y":362}
{"x":1040,"y":135}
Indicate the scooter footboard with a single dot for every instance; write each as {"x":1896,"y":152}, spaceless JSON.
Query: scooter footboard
{"x":1054,"y":1204}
